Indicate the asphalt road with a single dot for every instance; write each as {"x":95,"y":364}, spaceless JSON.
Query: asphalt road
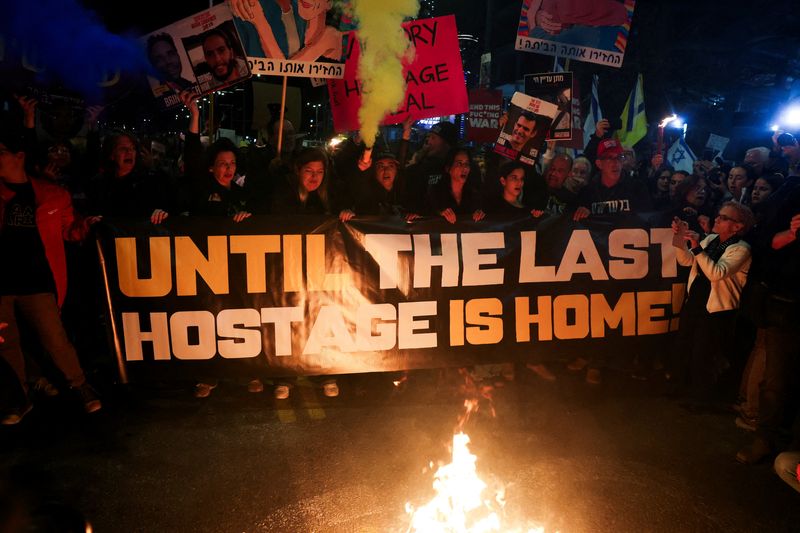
{"x":574,"y":458}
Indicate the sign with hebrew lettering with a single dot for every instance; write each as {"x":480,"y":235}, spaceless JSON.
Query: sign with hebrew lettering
{"x":595,"y":31}
{"x":303,"y":41}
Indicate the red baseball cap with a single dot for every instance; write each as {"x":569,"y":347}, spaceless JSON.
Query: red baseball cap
{"x":609,"y":147}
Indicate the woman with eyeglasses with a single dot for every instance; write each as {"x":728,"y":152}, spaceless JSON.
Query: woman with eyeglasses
{"x":454,"y":194}
{"x":719,"y":265}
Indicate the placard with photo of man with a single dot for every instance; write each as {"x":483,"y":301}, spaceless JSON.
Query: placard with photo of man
{"x":524,"y":134}
{"x":202,"y":53}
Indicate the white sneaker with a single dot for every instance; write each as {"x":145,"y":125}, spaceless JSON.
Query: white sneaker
{"x":281,"y":392}
{"x":330,"y":389}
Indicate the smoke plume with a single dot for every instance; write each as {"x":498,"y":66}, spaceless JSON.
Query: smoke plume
{"x":384,"y":46}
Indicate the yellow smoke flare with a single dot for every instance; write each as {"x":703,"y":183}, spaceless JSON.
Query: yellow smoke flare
{"x":384,"y":45}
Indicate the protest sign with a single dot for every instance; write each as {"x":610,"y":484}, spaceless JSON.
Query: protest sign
{"x":717,"y":143}
{"x":311,"y":295}
{"x":202,"y":53}
{"x":485,"y":109}
{"x":525,"y":131}
{"x":595,"y":31}
{"x":301,"y":43}
{"x":435,"y":78}
{"x":556,"y":88}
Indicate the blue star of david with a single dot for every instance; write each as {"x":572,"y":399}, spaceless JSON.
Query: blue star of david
{"x":679,"y":155}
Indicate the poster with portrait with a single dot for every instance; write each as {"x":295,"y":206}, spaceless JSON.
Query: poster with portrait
{"x":595,"y":31}
{"x":556,"y":88}
{"x":202,"y":53}
{"x":298,"y":38}
{"x":524,"y":134}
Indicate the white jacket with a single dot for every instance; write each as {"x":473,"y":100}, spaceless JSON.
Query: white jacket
{"x":727,"y":276}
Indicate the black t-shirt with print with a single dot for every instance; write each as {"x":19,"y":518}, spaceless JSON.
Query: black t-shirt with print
{"x":24,"y":268}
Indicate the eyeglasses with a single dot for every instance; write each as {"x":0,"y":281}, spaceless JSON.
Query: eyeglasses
{"x":462,"y":164}
{"x":621,"y":157}
{"x":58,"y":150}
{"x":726,"y":218}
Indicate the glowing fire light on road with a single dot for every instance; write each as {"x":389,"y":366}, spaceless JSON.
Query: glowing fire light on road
{"x":463,"y":503}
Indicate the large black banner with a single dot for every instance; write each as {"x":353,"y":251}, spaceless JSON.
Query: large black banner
{"x":311,"y":295}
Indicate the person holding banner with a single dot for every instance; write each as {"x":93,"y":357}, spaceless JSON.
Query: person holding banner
{"x":305,"y":192}
{"x":214,"y":190}
{"x":453,"y":196}
{"x":719,"y":266}
{"x":124,"y":187}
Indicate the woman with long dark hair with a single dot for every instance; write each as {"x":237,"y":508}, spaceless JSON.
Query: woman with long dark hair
{"x":454,"y":195}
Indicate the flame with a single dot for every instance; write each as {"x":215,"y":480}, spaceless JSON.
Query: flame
{"x":464,"y":503}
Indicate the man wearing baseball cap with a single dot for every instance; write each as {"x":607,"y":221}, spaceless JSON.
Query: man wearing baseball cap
{"x":609,"y":194}
{"x":425,"y":167}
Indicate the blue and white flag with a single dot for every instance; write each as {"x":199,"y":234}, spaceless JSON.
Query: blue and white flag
{"x":680,"y":156}
{"x":594,"y":114}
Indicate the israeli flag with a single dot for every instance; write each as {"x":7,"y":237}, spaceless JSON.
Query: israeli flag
{"x":595,"y":114}
{"x":680,"y":156}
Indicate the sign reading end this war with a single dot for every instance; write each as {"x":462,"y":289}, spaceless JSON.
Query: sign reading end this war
{"x":435,"y":79}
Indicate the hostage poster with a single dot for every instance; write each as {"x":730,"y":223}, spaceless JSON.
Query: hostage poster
{"x":202,"y":53}
{"x":302,"y":41}
{"x":556,"y":88}
{"x":526,"y":129}
{"x":595,"y":31}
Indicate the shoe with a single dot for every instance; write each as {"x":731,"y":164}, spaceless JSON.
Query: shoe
{"x":594,"y":377}
{"x":755,"y":453}
{"x":330,"y":389}
{"x":747,"y":424}
{"x":577,"y":365}
{"x":203,"y":390}
{"x":44,"y":387}
{"x":91,"y":403}
{"x":14,"y":416}
{"x":255,"y":386}
{"x":542,"y":371}
{"x":281,"y":392}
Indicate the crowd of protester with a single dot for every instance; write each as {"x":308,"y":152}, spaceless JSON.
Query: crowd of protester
{"x":735,"y":230}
